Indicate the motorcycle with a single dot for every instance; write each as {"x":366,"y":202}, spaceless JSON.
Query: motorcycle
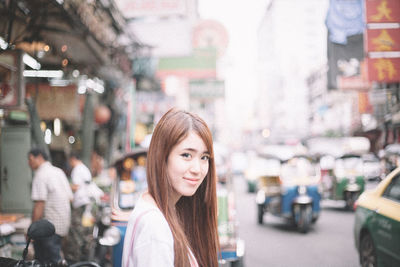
{"x":105,"y":236}
{"x":40,"y":229}
{"x":294,"y":194}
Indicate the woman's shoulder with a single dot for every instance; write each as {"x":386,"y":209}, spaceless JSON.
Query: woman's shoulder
{"x":147,"y":216}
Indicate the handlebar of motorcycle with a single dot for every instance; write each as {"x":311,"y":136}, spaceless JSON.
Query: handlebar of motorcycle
{"x":8,"y":262}
{"x":85,"y":264}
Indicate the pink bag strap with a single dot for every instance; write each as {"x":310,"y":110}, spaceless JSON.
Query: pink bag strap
{"x":133,"y":233}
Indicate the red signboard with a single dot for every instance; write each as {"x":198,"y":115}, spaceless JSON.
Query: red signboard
{"x":364,"y":105}
{"x":382,"y":11}
{"x":11,"y":82}
{"x":380,"y":40}
{"x":384,"y":69}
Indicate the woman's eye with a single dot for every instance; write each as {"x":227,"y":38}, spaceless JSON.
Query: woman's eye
{"x":185,"y":155}
{"x":205,"y":157}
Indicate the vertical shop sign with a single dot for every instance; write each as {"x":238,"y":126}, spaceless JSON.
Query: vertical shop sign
{"x":384,"y":69}
{"x":380,"y":40}
{"x":382,"y":11}
{"x":345,"y":62}
{"x":364,"y":105}
{"x":383,"y":36}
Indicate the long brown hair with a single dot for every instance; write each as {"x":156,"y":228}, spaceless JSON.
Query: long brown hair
{"x":194,"y":223}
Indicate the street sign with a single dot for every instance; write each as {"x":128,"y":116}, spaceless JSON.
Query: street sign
{"x":206,"y":89}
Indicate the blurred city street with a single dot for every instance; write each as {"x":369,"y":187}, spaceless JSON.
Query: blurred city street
{"x":302,"y":99}
{"x":275,"y":243}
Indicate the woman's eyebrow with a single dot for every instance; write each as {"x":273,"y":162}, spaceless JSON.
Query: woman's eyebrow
{"x":195,"y":150}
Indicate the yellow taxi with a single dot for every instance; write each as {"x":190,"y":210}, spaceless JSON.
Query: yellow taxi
{"x":377,"y":223}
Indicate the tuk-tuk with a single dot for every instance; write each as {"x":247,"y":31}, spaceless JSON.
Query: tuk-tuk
{"x":129,"y":184}
{"x":266,"y":162}
{"x":348,"y":179}
{"x":342,"y":167}
{"x":390,"y":158}
{"x":260,"y":166}
{"x":292,"y":194}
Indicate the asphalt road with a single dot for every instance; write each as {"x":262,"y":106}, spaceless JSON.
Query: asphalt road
{"x":329,"y":243}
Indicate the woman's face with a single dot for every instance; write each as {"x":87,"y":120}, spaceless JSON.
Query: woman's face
{"x":188,"y":165}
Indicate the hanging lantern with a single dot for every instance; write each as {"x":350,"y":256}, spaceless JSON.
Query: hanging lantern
{"x":102,"y":114}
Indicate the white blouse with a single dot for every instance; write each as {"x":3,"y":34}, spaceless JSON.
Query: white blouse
{"x":148,"y":239}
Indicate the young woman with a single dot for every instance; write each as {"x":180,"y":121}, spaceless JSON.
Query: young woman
{"x":174,"y":223}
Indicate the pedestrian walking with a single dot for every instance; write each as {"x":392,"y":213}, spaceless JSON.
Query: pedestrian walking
{"x":51,"y":195}
{"x":79,"y":236}
{"x":174,"y":222}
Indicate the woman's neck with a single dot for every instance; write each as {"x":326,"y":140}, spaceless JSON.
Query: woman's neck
{"x":146,"y":196}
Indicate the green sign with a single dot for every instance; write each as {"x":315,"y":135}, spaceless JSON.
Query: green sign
{"x":201,"y":59}
{"x":206,"y":89}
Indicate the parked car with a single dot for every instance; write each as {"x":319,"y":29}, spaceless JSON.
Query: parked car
{"x":129,"y":184}
{"x":377,"y":223}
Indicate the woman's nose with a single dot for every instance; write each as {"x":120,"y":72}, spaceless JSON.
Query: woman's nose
{"x":195,"y":166}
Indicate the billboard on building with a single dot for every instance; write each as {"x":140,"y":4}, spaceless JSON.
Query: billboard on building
{"x":54,"y":101}
{"x":200,"y":65}
{"x":142,"y":8}
{"x":210,"y":33}
{"x":206,"y":89}
{"x":345,"y":64}
{"x":345,"y":25}
{"x":344,"y":19}
{"x":167,"y":38}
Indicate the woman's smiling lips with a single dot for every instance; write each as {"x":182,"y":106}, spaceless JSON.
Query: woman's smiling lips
{"x":192,"y":181}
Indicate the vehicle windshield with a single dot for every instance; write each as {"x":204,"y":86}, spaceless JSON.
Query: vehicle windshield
{"x":348,"y":166}
{"x":263,"y":167}
{"x":298,"y":169}
{"x":131,"y":181}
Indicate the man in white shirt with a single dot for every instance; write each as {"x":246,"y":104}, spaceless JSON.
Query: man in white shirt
{"x":79,"y":236}
{"x":51,"y":195}
{"x":80,"y":178}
